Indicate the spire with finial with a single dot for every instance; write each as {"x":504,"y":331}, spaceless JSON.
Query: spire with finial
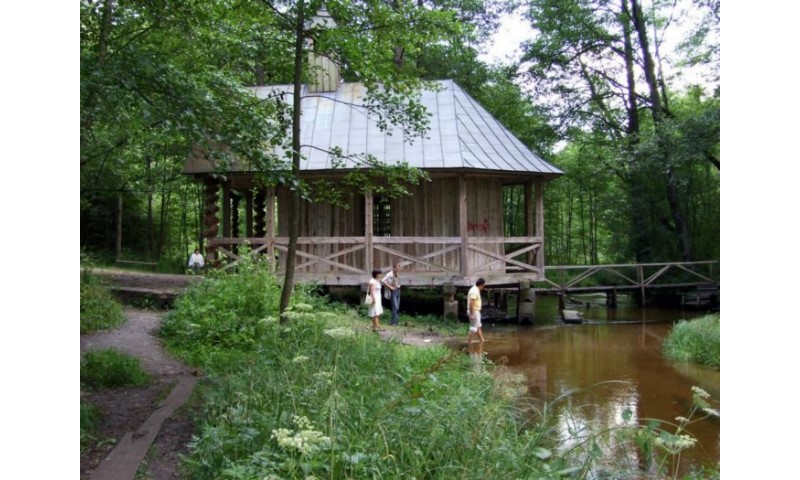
{"x":324,"y":75}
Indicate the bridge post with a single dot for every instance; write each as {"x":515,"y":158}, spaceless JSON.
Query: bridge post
{"x":611,"y":298}
{"x":450,"y":303}
{"x":527,"y":302}
{"x":643,"y":300}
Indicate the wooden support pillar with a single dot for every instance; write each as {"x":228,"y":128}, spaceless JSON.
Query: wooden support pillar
{"x":270,"y":216}
{"x":540,"y":225}
{"x":450,"y":303}
{"x":368,"y":231}
{"x":210,"y":220}
{"x":640,"y":271}
{"x":530,"y":226}
{"x":611,"y":298}
{"x":462,"y":225}
{"x":248,"y":202}
{"x":527,"y":302}
{"x":235,"y":199}
{"x":260,"y":219}
{"x":226,"y":210}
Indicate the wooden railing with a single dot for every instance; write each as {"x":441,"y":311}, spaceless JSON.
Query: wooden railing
{"x":631,"y":276}
{"x":425,"y":260}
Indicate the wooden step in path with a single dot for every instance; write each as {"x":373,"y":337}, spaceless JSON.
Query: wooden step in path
{"x":123,"y":462}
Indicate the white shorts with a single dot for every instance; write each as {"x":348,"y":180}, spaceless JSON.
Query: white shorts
{"x":475,"y":324}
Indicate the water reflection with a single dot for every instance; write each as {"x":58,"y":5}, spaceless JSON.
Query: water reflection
{"x":609,"y":375}
{"x":475,"y":350}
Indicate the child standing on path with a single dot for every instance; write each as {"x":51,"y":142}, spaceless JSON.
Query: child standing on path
{"x":376,"y":309}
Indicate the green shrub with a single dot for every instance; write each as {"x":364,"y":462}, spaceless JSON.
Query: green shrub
{"x":227,"y":310}
{"x":110,"y":368}
{"x":90,"y":421}
{"x":99,"y":310}
{"x":695,"y":341}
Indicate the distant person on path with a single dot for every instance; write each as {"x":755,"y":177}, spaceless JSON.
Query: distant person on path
{"x":196,"y":262}
{"x":392,"y":282}
{"x":376,"y":309}
{"x":474,"y":309}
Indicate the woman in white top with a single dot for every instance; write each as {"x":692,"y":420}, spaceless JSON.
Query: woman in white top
{"x":376,"y":309}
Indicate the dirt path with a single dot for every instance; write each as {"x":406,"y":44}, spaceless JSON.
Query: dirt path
{"x":137,"y":337}
{"x":126,"y":411}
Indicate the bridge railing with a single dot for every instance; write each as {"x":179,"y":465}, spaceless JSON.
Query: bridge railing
{"x":631,"y":276}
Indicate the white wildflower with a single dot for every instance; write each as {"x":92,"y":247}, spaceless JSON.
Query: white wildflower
{"x":269,"y":321}
{"x":681,"y":419}
{"x":339,"y":332}
{"x":711,"y":411}
{"x":304,"y":441}
{"x":700,"y":392}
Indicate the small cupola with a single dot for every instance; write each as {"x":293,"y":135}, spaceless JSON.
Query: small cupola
{"x":324,"y":72}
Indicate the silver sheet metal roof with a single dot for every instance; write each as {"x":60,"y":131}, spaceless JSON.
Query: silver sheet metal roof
{"x":462,"y":134}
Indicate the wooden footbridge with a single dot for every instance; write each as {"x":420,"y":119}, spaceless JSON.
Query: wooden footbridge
{"x":701,"y":275}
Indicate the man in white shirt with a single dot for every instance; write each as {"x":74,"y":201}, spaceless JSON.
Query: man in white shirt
{"x":196,"y":262}
{"x":392,"y":282}
{"x":474,"y":309}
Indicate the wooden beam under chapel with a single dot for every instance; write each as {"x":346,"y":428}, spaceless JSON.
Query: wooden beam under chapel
{"x":368,"y":230}
{"x":540,"y":222}
{"x":462,"y":225}
{"x":529,"y":220}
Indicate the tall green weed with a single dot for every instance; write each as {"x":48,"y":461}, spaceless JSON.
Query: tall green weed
{"x":696,"y":341}
{"x":110,"y":368}
{"x":99,"y":309}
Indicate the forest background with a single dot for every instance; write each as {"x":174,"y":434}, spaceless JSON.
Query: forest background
{"x":41,"y":95}
{"x":595,"y":92}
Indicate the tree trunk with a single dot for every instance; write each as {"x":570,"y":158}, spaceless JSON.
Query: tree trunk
{"x":87,"y":119}
{"x":294,"y":204}
{"x":656,"y":108}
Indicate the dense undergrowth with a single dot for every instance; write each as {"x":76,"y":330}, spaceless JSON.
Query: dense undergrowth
{"x":696,"y":341}
{"x":99,"y":310}
{"x":319,"y":396}
{"x":109,"y":368}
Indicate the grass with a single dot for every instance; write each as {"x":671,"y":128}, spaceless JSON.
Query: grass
{"x":90,"y":421}
{"x":317,"y":395}
{"x":696,"y":341}
{"x":99,"y":310}
{"x":110,"y":368}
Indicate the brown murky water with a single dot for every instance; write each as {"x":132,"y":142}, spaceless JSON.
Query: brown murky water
{"x":621,"y":347}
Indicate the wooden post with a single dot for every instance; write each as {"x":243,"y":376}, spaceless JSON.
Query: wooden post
{"x":540,"y":225}
{"x":462,"y":225}
{"x":611,"y":298}
{"x":248,"y":202}
{"x":368,"y":217}
{"x":260,"y":216}
{"x":640,"y":271}
{"x":235,"y":198}
{"x":270,"y":199}
{"x":527,"y":302}
{"x":226,"y":210}
{"x":119,"y":226}
{"x":450,"y":303}
{"x":529,"y":221}
{"x":210,"y":219}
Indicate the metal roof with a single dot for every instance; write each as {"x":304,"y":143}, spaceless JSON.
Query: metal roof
{"x":461,"y":135}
